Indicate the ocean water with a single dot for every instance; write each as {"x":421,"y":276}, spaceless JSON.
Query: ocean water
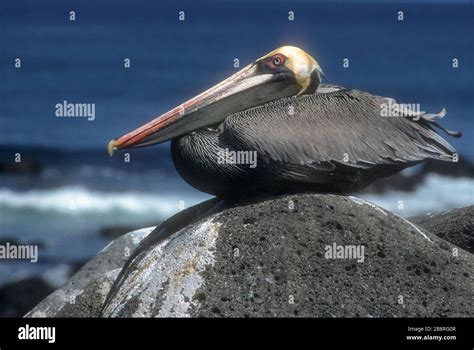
{"x":81,"y":190}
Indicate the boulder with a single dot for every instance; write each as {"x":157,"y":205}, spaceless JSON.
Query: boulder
{"x":454,"y":225}
{"x":84,"y":294}
{"x":315,"y":255}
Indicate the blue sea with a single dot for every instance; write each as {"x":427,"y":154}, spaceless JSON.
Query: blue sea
{"x":81,"y":190}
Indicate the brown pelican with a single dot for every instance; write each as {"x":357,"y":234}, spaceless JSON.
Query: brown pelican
{"x":305,"y":135}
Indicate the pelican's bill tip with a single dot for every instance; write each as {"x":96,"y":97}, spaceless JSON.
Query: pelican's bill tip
{"x":111,"y":147}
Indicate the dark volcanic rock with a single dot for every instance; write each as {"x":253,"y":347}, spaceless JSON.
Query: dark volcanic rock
{"x":270,"y":259}
{"x":27,"y":166}
{"x":16,"y":298}
{"x":84,"y":294}
{"x":455,"y":226}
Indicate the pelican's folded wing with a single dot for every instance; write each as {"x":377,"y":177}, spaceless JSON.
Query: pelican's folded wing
{"x":338,"y":126}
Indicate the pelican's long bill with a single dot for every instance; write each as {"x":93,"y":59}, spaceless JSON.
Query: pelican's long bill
{"x":246,"y":88}
{"x":284,"y":72}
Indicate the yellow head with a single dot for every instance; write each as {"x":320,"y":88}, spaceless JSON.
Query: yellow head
{"x":305,"y":68}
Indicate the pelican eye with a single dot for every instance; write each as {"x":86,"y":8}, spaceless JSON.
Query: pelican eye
{"x":277,"y":61}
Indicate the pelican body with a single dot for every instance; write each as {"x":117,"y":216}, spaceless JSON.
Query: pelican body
{"x":303,"y":135}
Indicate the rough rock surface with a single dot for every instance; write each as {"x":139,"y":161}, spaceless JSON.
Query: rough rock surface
{"x":455,"y":226}
{"x":84,"y":294}
{"x":270,"y":259}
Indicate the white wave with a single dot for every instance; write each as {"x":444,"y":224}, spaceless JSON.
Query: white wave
{"x":434,"y":194}
{"x":77,"y":200}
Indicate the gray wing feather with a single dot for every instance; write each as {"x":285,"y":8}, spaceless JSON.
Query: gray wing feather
{"x":336,"y":126}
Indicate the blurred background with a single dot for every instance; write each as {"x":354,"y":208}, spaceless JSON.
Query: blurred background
{"x":69,"y":197}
